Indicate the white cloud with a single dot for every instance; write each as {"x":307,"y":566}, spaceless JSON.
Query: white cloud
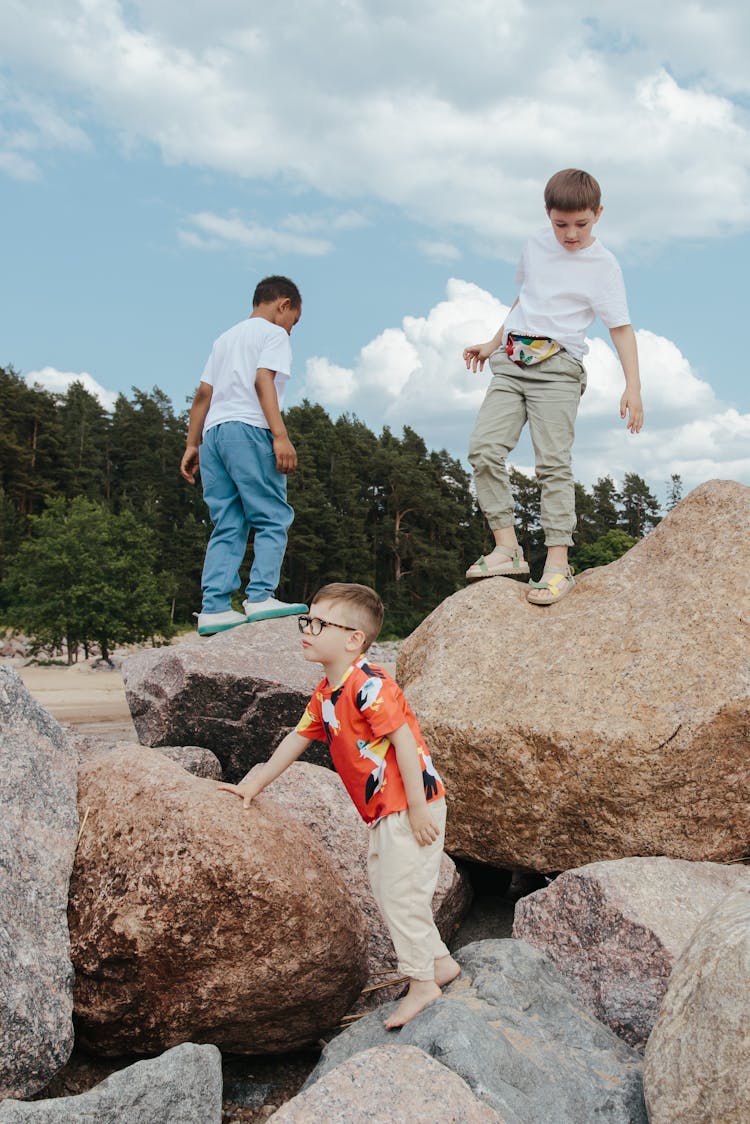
{"x":214,"y":232}
{"x":58,"y":382}
{"x":450,"y":125}
{"x":28,"y":127}
{"x":414,"y":375}
{"x":440,"y":252}
{"x":326,"y":221}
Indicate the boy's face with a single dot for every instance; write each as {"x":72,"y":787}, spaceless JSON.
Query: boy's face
{"x":574,"y":230}
{"x":286,"y":315}
{"x":334,"y":645}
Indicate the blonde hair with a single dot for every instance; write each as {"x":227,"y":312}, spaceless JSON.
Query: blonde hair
{"x":572,"y":190}
{"x":362,"y":607}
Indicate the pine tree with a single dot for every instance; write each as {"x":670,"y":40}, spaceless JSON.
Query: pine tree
{"x":640,"y":507}
{"x":605,"y":500}
{"x":85,"y":469}
{"x":674,"y":491}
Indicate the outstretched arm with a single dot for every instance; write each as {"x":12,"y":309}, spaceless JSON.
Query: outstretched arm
{"x":285,"y":754}
{"x":198,"y":411}
{"x":630,"y":404}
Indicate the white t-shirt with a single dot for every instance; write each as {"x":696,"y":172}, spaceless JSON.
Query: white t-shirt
{"x":232,"y":366}
{"x":563,"y":291}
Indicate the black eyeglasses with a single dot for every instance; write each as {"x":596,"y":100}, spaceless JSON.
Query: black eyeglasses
{"x":316,"y":625}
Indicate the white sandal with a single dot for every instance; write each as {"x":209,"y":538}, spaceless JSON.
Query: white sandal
{"x":514,"y":565}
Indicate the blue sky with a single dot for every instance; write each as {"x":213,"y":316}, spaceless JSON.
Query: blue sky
{"x":157,"y":159}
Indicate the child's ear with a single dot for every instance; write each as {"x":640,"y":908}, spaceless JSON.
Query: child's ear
{"x":358,"y":639}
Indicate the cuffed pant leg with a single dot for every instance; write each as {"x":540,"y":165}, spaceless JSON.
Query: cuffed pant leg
{"x":552,"y":407}
{"x":249,"y":456}
{"x":226,"y":547}
{"x":499,"y":422}
{"x":403,"y":877}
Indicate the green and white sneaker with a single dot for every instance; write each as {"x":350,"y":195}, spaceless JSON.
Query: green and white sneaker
{"x":209,"y":623}
{"x":264,"y":610}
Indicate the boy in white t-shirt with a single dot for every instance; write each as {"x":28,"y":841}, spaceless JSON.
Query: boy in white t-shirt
{"x":567,"y":279}
{"x":245,"y":457}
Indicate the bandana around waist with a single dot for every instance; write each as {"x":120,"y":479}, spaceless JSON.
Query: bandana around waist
{"x":524,"y":351}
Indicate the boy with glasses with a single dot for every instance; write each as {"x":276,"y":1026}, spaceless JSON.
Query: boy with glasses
{"x":379,"y":752}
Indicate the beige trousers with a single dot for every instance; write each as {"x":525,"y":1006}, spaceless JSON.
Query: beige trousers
{"x":403,"y":877}
{"x":547,"y":396}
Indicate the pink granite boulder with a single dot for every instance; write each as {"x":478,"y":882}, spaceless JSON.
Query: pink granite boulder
{"x":615,"y":930}
{"x":611,"y":724}
{"x":194,"y":920}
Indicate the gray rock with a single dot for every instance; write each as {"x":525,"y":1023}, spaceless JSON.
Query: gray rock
{"x":615,"y":930}
{"x":405,"y":1084}
{"x":193,"y":758}
{"x":236,"y":694}
{"x":523,"y":1043}
{"x":183,"y":1085}
{"x":697,"y":1064}
{"x":38,"y":828}
{"x":196,"y":760}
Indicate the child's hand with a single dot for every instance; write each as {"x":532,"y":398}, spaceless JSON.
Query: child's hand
{"x":189,"y":463}
{"x":286,"y":455}
{"x":422,"y":824}
{"x":245,"y":791}
{"x":631,"y":404}
{"x":476,"y":355}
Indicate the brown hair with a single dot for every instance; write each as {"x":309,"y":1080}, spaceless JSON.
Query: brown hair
{"x":362,"y":606}
{"x":572,"y":190}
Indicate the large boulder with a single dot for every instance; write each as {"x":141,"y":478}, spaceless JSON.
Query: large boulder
{"x":612,"y":724}
{"x":193,"y":758}
{"x":512,"y":1030}
{"x":400,"y":1083}
{"x":317,"y":797}
{"x":237,"y":693}
{"x":615,"y":930}
{"x":38,"y":828}
{"x":194,"y":920}
{"x":697,"y":1064}
{"x":182,"y":1085}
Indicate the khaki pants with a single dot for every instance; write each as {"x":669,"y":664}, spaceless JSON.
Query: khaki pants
{"x":547,"y":396}
{"x":403,"y":877}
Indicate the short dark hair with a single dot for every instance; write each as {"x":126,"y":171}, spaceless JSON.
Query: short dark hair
{"x":271,"y":288}
{"x":572,"y":190}
{"x":361,"y":605}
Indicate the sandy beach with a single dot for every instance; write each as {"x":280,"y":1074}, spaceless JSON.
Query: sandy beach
{"x":88,"y":700}
{"x":92,"y":701}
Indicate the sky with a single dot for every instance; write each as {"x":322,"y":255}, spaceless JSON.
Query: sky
{"x":159,"y":158}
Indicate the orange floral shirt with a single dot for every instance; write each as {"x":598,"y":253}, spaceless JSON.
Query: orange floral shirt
{"x":355,"y":717}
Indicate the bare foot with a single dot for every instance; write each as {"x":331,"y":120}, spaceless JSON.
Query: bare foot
{"x":446,"y":969}
{"x":420,"y":993}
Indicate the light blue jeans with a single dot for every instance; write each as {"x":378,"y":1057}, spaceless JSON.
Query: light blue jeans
{"x":244,"y":491}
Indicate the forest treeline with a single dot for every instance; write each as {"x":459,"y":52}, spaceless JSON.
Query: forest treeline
{"x":376,"y":508}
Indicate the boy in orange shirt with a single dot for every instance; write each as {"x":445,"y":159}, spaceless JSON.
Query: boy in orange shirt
{"x":379,"y":753}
